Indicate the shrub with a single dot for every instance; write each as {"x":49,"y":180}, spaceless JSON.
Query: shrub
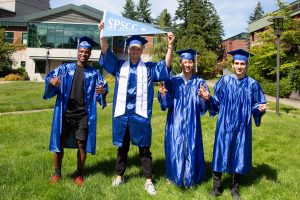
{"x":13,"y":77}
{"x":24,"y":75}
{"x":285,"y":87}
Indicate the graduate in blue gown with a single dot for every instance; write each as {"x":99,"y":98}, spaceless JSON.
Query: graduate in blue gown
{"x":237,"y":98}
{"x":77,"y":86}
{"x":185,"y":165}
{"x":133,"y":99}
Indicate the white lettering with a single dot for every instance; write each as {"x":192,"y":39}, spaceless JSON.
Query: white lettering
{"x":110,"y":23}
{"x":116,"y":24}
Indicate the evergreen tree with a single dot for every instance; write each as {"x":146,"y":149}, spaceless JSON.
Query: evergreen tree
{"x":129,"y":10}
{"x":258,"y":13}
{"x":164,"y":19}
{"x":144,"y":11}
{"x":202,"y":30}
{"x":6,"y":50}
{"x":182,"y":12}
{"x":158,"y":51}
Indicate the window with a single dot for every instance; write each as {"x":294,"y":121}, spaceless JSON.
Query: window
{"x":24,"y":38}
{"x":23,"y":63}
{"x":40,"y":66}
{"x":60,"y":35}
{"x":154,"y":41}
{"x":9,"y":37}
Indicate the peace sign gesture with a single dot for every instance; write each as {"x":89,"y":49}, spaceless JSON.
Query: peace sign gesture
{"x":203,"y":92}
{"x":162,"y":89}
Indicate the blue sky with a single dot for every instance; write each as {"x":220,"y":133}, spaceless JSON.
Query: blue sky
{"x":234,"y":14}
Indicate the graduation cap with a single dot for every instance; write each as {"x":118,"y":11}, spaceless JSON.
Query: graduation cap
{"x":135,"y":40}
{"x":189,"y":54}
{"x":86,"y":42}
{"x":240,"y":54}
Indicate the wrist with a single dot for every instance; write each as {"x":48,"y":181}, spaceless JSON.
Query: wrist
{"x":170,"y":46}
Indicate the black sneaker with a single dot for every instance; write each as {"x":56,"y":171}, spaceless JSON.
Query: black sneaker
{"x":235,"y":194}
{"x":216,"y":191}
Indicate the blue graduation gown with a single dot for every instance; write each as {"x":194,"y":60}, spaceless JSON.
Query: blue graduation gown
{"x":139,"y":127}
{"x":92,"y":78}
{"x":185,"y":163}
{"x":235,"y":100}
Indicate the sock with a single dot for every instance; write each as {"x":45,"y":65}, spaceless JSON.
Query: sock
{"x":57,"y":172}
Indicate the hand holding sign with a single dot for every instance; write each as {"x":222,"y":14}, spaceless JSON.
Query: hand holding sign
{"x":120,"y":26}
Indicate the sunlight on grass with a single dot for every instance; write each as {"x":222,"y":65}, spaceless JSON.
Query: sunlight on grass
{"x":26,"y":163}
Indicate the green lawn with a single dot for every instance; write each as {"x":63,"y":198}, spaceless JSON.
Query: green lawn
{"x":26,"y":164}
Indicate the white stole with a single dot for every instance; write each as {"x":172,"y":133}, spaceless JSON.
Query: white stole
{"x":141,"y":91}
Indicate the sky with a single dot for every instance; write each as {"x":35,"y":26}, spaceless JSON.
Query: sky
{"x":234,"y":14}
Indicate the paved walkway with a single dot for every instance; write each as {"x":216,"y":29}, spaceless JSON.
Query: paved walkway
{"x":290,"y":102}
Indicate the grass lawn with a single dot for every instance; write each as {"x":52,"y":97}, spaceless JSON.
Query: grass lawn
{"x":26,"y":165}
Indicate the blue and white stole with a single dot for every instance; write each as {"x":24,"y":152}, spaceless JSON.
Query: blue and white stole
{"x":141,"y":91}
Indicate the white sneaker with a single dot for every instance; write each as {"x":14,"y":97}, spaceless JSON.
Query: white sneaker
{"x":117,"y":182}
{"x":149,"y":187}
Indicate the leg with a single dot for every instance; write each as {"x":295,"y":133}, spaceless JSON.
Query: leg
{"x":235,"y":187}
{"x":121,"y":161}
{"x":57,"y":160}
{"x":146,"y":161}
{"x":81,"y":156}
{"x":217,"y":184}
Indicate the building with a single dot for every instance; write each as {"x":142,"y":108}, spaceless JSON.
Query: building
{"x":16,"y":8}
{"x":239,"y":41}
{"x":49,"y":37}
{"x":261,"y":24}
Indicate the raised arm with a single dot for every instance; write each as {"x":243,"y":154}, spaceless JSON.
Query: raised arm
{"x":169,"y":55}
{"x":103,"y":40}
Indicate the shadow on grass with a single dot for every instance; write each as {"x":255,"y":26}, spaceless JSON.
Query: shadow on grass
{"x":258,"y":172}
{"x":108,"y":167}
{"x":159,"y":167}
{"x":287,"y":110}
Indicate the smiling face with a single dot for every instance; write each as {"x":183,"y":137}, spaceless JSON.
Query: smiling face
{"x":240,"y":68}
{"x":187,"y":66}
{"x":83,"y":56}
{"x":135,"y":51}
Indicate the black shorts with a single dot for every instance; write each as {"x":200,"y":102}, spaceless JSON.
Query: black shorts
{"x":79,"y":127}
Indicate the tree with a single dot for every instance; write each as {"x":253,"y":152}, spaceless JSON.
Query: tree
{"x":144,"y":11}
{"x":129,"y":10}
{"x":164,"y":19}
{"x":258,"y":13}
{"x":158,"y":51}
{"x":6,"y":51}
{"x":182,"y":11}
{"x":263,"y":67}
{"x":202,"y":30}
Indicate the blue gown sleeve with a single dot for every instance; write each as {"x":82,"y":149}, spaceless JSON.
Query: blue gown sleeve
{"x":257,"y":98}
{"x":166,"y":102}
{"x":101,"y":98}
{"x":51,"y":91}
{"x":160,"y":71}
{"x":204,"y":104}
{"x":215,"y":100}
{"x":109,"y":62}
